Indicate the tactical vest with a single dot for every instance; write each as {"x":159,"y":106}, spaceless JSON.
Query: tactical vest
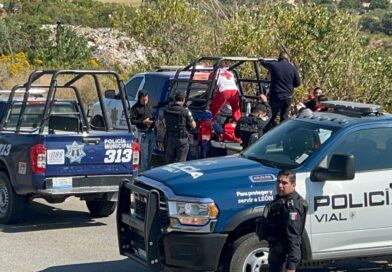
{"x":176,"y":121}
{"x":247,"y":126}
{"x":272,"y":223}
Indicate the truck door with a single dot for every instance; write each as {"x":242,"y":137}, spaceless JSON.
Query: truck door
{"x":353,"y":215}
{"x":114,"y":107}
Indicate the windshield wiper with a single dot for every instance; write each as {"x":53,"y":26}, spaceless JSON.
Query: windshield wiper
{"x":262,"y":161}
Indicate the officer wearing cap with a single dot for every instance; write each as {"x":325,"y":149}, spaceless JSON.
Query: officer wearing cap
{"x":258,"y":119}
{"x":178,"y":121}
{"x":283,"y":223}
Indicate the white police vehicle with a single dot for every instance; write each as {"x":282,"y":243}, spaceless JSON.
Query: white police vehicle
{"x":200,"y":215}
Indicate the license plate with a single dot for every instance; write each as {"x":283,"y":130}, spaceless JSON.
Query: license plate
{"x":62,"y":183}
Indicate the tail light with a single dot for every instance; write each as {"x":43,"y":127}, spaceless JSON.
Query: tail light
{"x":135,"y":155}
{"x":38,"y":158}
{"x":205,"y":131}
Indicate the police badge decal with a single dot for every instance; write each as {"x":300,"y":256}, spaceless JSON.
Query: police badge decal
{"x":75,"y":152}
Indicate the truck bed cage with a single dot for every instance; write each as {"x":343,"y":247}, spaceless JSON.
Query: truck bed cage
{"x":208,"y":66}
{"x":53,"y":86}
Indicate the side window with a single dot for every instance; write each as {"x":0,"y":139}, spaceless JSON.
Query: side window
{"x":155,"y":85}
{"x":132,"y":86}
{"x":372,"y":148}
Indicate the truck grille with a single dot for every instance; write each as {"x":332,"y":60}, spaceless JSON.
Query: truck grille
{"x":140,"y":204}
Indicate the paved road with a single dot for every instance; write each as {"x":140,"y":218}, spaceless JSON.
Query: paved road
{"x":63,"y":238}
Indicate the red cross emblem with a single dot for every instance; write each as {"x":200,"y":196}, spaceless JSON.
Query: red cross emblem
{"x":226,"y":74}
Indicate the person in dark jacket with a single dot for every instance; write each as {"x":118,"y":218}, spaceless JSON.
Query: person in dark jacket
{"x":284,"y":78}
{"x":285,"y":223}
{"x":254,"y":123}
{"x":142,"y":118}
{"x":178,"y":120}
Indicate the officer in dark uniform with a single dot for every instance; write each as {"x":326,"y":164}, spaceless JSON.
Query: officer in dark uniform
{"x":254,"y":123}
{"x":142,"y":118}
{"x":178,"y":120}
{"x":284,"y":78}
{"x":283,"y":224}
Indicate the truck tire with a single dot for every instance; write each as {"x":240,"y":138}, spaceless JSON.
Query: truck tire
{"x":11,"y":204}
{"x":100,"y":208}
{"x":249,"y":254}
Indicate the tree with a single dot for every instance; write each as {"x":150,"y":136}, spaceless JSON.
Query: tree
{"x":379,"y":4}
{"x":350,"y":4}
{"x":323,"y":43}
{"x":173,"y":30}
{"x":12,"y":36}
{"x":66,"y":50}
{"x":324,"y":2}
{"x":386,"y":23}
{"x":370,"y":23}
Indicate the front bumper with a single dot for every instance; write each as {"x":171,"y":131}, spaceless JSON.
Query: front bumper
{"x":143,"y":237}
{"x":192,"y":252}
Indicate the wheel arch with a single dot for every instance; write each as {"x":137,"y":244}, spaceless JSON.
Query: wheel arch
{"x":4,"y":168}
{"x":245,"y":222}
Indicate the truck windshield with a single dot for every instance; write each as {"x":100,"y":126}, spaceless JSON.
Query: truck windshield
{"x":290,"y":144}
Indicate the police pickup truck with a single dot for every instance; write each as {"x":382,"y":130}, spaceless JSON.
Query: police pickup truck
{"x":200,"y":215}
{"x":198,"y":80}
{"x":49,"y":150}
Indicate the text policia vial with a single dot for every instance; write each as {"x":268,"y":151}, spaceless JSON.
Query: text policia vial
{"x":344,"y":201}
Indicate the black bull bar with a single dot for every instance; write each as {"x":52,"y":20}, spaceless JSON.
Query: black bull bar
{"x":131,"y":226}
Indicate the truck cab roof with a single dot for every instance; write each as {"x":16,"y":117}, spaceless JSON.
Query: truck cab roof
{"x":345,"y":113}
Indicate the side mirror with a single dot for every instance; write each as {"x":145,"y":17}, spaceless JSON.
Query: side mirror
{"x":341,"y":167}
{"x":110,"y":94}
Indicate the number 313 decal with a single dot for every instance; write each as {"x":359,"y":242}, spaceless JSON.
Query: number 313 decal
{"x":118,"y":155}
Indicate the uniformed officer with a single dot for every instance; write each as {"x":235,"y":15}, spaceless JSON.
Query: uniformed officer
{"x":254,"y":123}
{"x":284,"y":224}
{"x":178,"y":120}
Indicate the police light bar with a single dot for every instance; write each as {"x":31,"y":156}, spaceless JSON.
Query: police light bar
{"x":354,"y":107}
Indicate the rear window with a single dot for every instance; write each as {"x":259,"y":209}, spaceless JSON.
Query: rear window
{"x":35,"y":110}
{"x":198,"y":95}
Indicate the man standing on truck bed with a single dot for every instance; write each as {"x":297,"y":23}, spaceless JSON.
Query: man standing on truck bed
{"x":177,"y":119}
{"x":284,"y":78}
{"x":226,"y":91}
{"x":142,"y":118}
{"x":284,"y":224}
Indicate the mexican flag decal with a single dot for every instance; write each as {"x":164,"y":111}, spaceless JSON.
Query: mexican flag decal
{"x":293,"y":216}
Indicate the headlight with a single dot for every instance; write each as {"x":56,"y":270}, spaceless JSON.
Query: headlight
{"x":190,"y":213}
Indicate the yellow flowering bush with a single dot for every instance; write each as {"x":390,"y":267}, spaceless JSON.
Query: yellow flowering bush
{"x":15,"y":63}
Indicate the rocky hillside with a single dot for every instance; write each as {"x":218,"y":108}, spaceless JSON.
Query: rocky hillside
{"x":112,"y":47}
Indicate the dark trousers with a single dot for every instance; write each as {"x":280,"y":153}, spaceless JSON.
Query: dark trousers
{"x":176,"y":149}
{"x":281,"y":107}
{"x":276,"y":261}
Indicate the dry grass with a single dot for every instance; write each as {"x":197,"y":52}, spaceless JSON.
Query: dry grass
{"x":130,"y":2}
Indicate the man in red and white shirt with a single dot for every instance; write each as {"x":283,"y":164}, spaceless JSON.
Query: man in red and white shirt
{"x":226,"y":92}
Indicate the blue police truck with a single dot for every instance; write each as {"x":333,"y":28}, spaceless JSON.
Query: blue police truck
{"x":198,"y":81}
{"x":48,"y":149}
{"x":201,"y":215}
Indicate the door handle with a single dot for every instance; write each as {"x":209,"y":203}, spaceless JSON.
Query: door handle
{"x":91,"y":140}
